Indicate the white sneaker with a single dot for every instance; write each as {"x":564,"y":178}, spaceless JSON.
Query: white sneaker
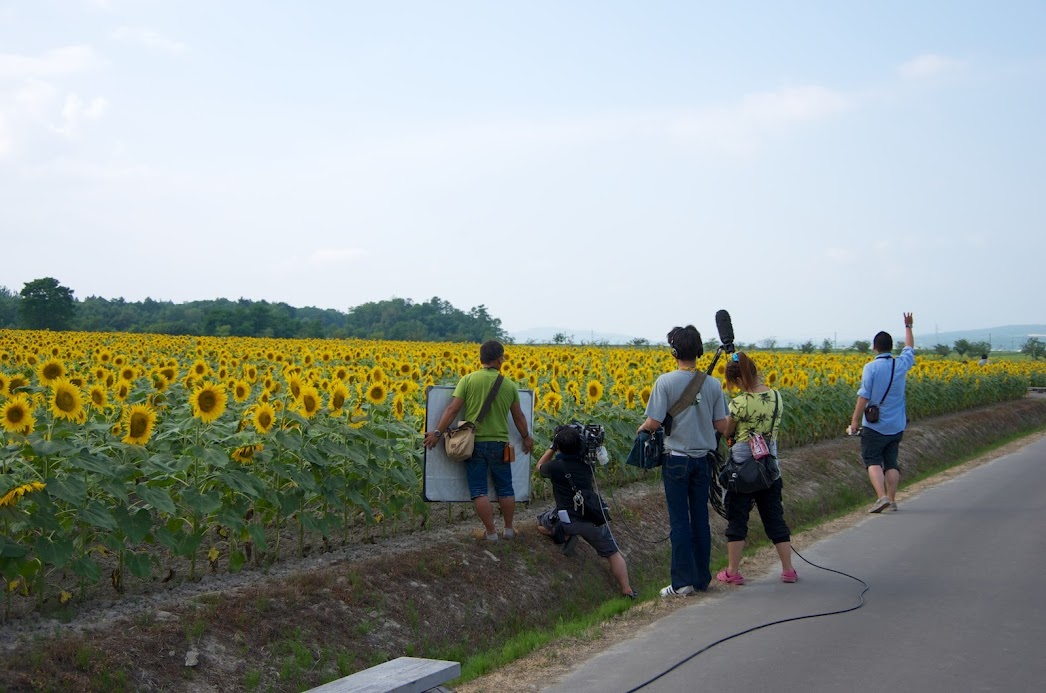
{"x":880,"y":505}
{"x":510,"y":533}
{"x":893,"y":506}
{"x":677,"y":592}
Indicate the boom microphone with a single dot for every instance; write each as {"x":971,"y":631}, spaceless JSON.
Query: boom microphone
{"x":726,"y":330}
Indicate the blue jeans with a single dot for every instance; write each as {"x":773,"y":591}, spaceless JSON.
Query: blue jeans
{"x":686,"y":495}
{"x":489,"y":456}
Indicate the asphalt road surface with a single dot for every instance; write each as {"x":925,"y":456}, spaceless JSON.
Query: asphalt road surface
{"x":957,"y":582}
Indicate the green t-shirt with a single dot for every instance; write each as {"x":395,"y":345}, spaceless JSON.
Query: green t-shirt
{"x":753,"y":413}
{"x":474,"y":388}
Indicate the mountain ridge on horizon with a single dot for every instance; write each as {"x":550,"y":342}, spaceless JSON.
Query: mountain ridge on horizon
{"x":1002,"y":338}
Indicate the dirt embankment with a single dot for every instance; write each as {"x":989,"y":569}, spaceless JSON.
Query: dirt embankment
{"x":437,"y":593}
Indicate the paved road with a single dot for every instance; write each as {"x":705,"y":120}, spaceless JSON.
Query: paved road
{"x":958,"y":584}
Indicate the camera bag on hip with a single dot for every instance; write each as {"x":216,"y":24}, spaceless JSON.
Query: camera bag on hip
{"x":648,"y":449}
{"x":871,"y":412}
{"x":460,"y":440}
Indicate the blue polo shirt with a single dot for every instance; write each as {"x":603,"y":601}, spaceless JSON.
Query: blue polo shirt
{"x":874,"y":381}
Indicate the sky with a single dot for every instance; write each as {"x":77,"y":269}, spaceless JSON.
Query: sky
{"x":814,"y":168}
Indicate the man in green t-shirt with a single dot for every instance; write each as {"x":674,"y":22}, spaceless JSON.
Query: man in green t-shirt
{"x":491,"y":436}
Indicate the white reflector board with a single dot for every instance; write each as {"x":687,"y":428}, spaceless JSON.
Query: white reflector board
{"x":444,"y":480}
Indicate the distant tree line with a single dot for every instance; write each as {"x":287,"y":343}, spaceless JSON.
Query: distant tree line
{"x":46,"y":304}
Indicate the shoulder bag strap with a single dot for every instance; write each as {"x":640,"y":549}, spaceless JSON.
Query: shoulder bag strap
{"x":490,"y":398}
{"x":685,"y":399}
{"x":893,"y":365}
{"x":773,"y":417}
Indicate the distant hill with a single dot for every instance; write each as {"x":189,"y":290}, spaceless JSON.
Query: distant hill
{"x":1005,"y":338}
{"x":545,"y":335}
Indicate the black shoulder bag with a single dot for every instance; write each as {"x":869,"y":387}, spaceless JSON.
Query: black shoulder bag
{"x":871,"y":412}
{"x":752,"y":475}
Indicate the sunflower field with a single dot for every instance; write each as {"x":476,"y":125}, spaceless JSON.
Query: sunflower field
{"x":119,"y":449}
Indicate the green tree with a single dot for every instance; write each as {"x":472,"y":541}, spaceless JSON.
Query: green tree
{"x":1034,"y":347}
{"x":862,"y":346}
{"x":962,"y":347}
{"x":979,"y":348}
{"x":639,"y":341}
{"x":8,"y":308}
{"x":827,"y":346}
{"x":46,"y":305}
{"x":942,"y":349}
{"x":807,"y":347}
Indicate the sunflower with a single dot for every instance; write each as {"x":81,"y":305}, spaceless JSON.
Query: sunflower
{"x":128,"y":373}
{"x":644,"y":395}
{"x":294,"y":386}
{"x":241,"y":390}
{"x":12,"y":496}
{"x":67,"y":402}
{"x":551,"y":402}
{"x":246,"y":453}
{"x":399,"y":407}
{"x":122,"y":390}
{"x":169,"y":372}
{"x":339,"y":395}
{"x":199,"y":369}
{"x":208,"y":402}
{"x":16,"y":415}
{"x":594,"y":391}
{"x":376,"y":393}
{"x":3,"y":385}
{"x":264,"y":417}
{"x":139,"y":422}
{"x":309,"y":402}
{"x":14,"y":383}
{"x":358,"y":418}
{"x":50,"y":371}
{"x":98,"y":396}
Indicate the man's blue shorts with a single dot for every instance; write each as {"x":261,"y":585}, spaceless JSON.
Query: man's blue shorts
{"x":489,"y":456}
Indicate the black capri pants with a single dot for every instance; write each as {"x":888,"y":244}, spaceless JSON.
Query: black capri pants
{"x":771,"y":512}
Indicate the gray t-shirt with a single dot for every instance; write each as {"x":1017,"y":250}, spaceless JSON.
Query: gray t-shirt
{"x":692,"y":431}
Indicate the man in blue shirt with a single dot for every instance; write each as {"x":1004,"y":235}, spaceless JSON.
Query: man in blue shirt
{"x":883,"y":384}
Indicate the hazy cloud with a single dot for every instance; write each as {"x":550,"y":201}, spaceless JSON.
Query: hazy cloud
{"x":150,"y":39}
{"x":60,"y":61}
{"x":927,"y":65}
{"x":336,"y":256}
{"x":76,"y":111}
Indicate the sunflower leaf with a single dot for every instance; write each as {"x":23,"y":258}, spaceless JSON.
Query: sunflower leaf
{"x":97,"y":515}
{"x":156,"y":497}
{"x":86,"y":568}
{"x":140,"y":564}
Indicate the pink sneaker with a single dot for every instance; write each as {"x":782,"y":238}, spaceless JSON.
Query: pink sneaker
{"x":735,"y":579}
{"x":789,"y":576}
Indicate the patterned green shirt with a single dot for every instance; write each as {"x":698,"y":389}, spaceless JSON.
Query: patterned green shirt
{"x":753,"y":413}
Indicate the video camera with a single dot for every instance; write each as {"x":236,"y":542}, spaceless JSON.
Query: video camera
{"x":592,"y":437}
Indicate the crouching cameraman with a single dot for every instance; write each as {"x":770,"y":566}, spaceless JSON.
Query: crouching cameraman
{"x":571,"y":475}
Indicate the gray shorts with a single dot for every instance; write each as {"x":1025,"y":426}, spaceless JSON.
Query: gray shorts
{"x":879,"y":450}
{"x":599,"y":538}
